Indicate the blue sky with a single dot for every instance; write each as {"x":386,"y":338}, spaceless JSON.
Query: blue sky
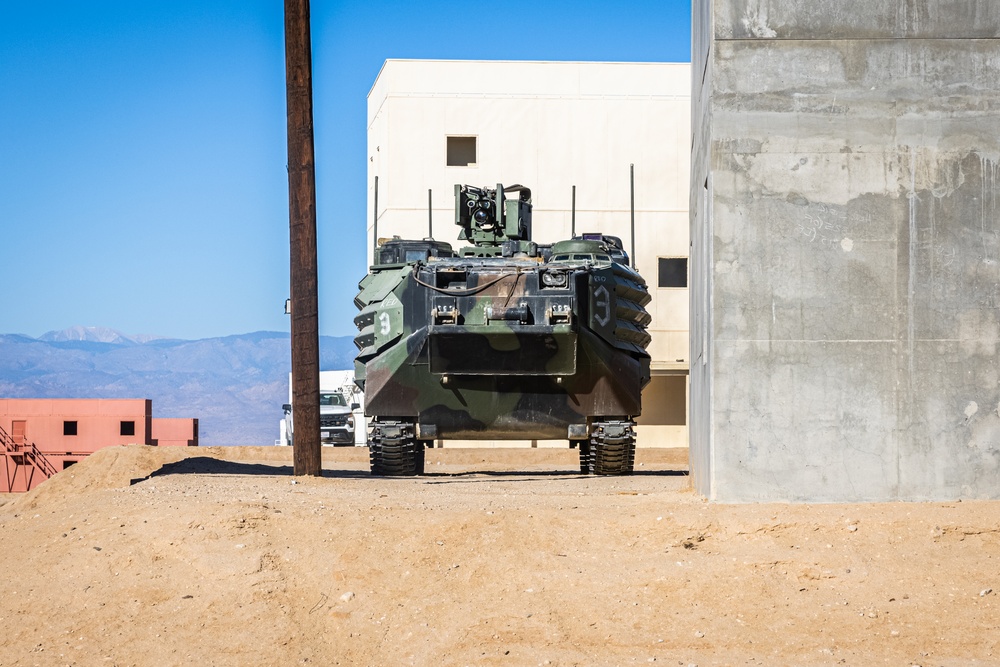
{"x":142,"y":145}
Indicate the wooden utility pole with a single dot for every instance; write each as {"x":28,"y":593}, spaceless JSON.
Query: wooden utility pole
{"x":302,"y":237}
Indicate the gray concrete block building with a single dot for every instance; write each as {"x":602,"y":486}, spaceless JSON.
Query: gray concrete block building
{"x":845,"y":250}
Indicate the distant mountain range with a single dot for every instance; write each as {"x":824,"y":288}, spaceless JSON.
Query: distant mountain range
{"x":96,"y":335}
{"x":234,"y":385}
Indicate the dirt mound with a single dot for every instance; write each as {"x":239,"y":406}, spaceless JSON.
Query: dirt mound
{"x":144,"y":556}
{"x":108,"y":468}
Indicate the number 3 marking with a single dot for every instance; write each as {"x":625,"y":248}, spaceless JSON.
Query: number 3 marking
{"x":602,"y":301}
{"x":383,"y":320}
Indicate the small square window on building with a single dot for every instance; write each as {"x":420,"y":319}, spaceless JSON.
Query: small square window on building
{"x":461,"y":151}
{"x":69,"y":428}
{"x":672,"y":272}
{"x":128,"y":428}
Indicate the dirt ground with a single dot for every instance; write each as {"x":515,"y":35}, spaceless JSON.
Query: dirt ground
{"x":145,"y":556}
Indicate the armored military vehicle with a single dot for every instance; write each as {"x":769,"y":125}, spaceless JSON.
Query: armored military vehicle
{"x":502,"y":339}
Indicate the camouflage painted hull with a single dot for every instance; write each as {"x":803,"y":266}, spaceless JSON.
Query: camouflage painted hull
{"x":487,"y":350}
{"x":510,"y":403}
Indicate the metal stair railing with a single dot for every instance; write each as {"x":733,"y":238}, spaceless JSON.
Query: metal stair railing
{"x":7,"y":442}
{"x":31,"y":453}
{"x":7,"y":448}
{"x":40,"y":460}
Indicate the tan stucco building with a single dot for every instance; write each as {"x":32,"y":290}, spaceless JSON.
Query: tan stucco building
{"x":551,"y":126}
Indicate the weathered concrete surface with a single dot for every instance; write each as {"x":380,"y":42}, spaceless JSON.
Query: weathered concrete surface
{"x":846,"y":251}
{"x":856,"y":19}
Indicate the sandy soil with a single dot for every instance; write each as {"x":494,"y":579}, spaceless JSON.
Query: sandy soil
{"x":144,"y":556}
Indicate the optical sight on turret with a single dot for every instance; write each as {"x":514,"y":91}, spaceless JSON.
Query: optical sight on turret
{"x":495,"y":225}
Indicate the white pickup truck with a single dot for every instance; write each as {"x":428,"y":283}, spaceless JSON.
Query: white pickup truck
{"x":339,"y":411}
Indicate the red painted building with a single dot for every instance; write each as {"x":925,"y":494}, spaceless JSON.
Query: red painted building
{"x":41,"y":436}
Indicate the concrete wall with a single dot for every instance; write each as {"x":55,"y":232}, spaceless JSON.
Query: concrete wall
{"x":549,"y":126}
{"x":845,"y":250}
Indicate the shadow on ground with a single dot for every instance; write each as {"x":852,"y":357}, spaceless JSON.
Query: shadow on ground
{"x":472,"y":475}
{"x":206,"y":465}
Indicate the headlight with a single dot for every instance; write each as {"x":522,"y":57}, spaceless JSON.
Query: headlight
{"x":554,"y":279}
{"x":350,"y":421}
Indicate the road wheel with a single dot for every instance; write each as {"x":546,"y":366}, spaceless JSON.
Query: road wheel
{"x":394,"y":452}
{"x":612,"y":444}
